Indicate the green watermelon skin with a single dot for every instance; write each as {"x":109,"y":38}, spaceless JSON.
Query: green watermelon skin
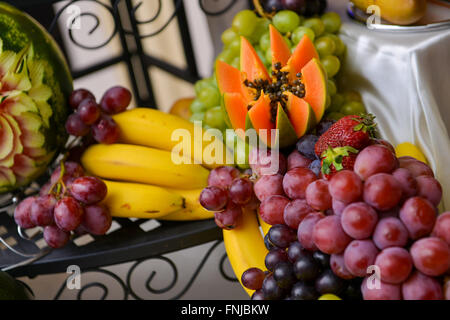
{"x":17,"y":31}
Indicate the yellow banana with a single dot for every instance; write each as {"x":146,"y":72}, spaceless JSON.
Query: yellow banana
{"x":156,"y":129}
{"x":192,"y":211}
{"x":134,"y":200}
{"x":245,"y":246}
{"x":264,"y":226}
{"x":143,"y":165}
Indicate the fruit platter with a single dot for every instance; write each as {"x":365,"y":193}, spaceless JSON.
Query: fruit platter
{"x":274,"y":155}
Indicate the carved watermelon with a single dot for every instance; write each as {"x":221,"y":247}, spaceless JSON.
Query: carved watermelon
{"x":35,"y":84}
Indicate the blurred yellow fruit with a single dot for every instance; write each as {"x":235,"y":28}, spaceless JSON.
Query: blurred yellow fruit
{"x":329,"y":297}
{"x":408,"y":149}
{"x":181,"y":108}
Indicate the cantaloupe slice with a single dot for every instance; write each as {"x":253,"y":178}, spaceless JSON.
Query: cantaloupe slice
{"x":280,"y":49}
{"x":301,"y":114}
{"x":303,"y":53}
{"x":315,"y":80}
{"x":236,"y":109}
{"x":251,"y":64}
{"x":259,"y":115}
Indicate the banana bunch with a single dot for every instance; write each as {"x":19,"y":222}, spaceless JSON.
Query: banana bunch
{"x":147,"y":174}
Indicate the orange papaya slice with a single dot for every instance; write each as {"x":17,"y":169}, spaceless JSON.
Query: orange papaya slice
{"x":236,"y":109}
{"x":315,"y":80}
{"x":301,"y":114}
{"x":303,"y":53}
{"x":251,"y":64}
{"x":280,"y":49}
{"x":260,"y":117}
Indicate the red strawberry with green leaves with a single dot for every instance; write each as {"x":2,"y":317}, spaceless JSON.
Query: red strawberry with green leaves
{"x":351,"y":131}
{"x":337,"y":159}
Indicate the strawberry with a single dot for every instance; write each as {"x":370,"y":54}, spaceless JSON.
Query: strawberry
{"x":351,"y":131}
{"x":337,"y":159}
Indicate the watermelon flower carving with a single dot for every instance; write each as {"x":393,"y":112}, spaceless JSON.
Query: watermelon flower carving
{"x":292,"y":99}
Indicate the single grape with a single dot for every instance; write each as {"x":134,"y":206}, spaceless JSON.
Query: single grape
{"x":316,"y":25}
{"x":318,"y":196}
{"x":382,"y":191}
{"x":75,"y":126}
{"x":296,"y":160}
{"x":22,"y":213}
{"x":332,"y":22}
{"x":258,"y":295}
{"x":421,"y":287}
{"x":241,"y":191}
{"x":45,"y":189}
{"x":271,"y":289}
{"x":337,"y":264}
{"x":275,"y":256}
{"x":359,"y":220}
{"x":322,"y":258}
{"x":300,"y":32}
{"x":374,"y":289}
{"x":244,"y":23}
{"x":269,"y":245}
{"x":213,"y":198}
{"x":97,"y":219}
{"x":253,"y":278}
{"x":418,"y":215}
{"x":272,"y":209}
{"x":264,"y":42}
{"x":306,"y":146}
{"x":316,"y":167}
{"x":337,"y":101}
{"x":286,"y":21}
{"x":79,"y":95}
{"x":390,"y":232}
{"x":89,"y":111}
{"x":283,"y":273}
{"x":329,"y":236}
{"x":416,"y":167}
{"x":204,"y":83}
{"x":295,"y":251}
{"x":430,"y":189}
{"x":442,"y":227}
{"x":359,"y":255}
{"x":431,"y":256}
{"x":395,"y":265}
{"x":331,"y":64}
{"x":346,"y":186}
{"x":330,"y":283}
{"x":407,"y":182}
{"x":267,"y":162}
{"x":88,"y":190}
{"x":295,"y":212}
{"x":353,"y":108}
{"x":325,"y":124}
{"x":281,"y":235}
{"x":106,"y":130}
{"x":296,"y":181}
{"x":325,"y":46}
{"x":222,"y":177}
{"x":41,"y":213}
{"x":353,"y":290}
{"x":306,"y":268}
{"x":375,"y":159}
{"x":68,"y":214}
{"x":115,"y":100}
{"x":229,"y":218}
{"x":332,"y":90}
{"x":340,"y":45}
{"x":383,"y":142}
{"x":298,"y":6}
{"x":303,"y":291}
{"x":72,"y":171}
{"x":225,"y":56}
{"x":55,"y":237}
{"x":234,"y":47}
{"x":306,"y":229}
{"x":338,"y":207}
{"x":228,"y":36}
{"x":210,"y":97}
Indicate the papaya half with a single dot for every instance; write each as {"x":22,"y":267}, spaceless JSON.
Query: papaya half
{"x":35,"y":84}
{"x":291,"y":100}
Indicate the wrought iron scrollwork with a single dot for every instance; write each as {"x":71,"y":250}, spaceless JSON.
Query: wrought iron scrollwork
{"x":216,"y":12}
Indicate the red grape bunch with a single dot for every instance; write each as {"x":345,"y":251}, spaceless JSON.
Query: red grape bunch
{"x":94,"y":117}
{"x":68,"y":203}
{"x":228,"y":192}
{"x":377,"y":210}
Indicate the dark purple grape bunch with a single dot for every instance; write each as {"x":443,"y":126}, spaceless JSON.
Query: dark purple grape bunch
{"x":302,"y":7}
{"x":294,"y":273}
{"x":69,"y":203}
{"x":95,"y":118}
{"x":228,"y":192}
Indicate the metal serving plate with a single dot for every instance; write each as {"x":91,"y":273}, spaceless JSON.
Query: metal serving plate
{"x":437,"y":18}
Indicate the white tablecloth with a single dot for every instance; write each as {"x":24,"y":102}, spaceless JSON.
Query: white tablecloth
{"x":404,"y":79}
